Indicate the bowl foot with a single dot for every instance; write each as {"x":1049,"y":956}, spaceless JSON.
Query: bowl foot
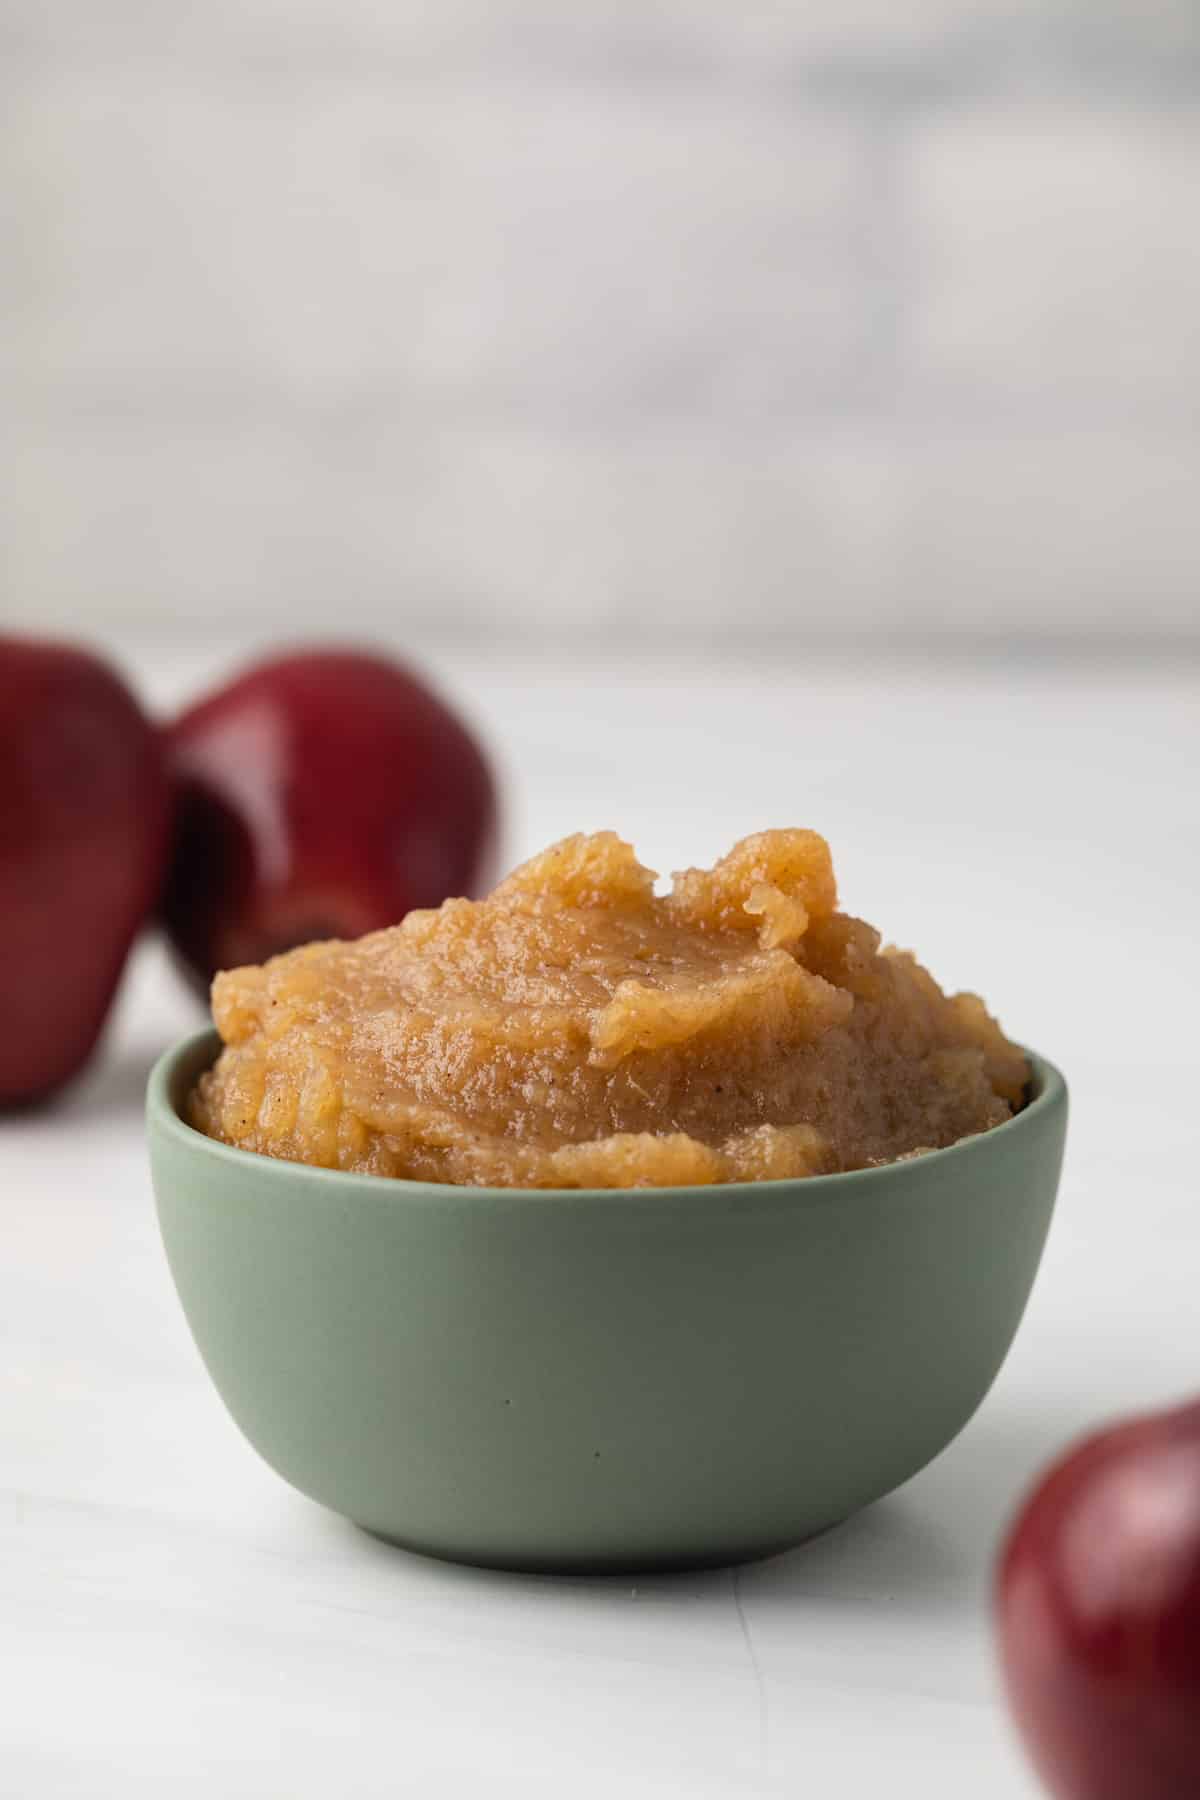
{"x":589,"y":1563}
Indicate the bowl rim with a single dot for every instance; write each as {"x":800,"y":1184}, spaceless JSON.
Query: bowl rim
{"x":1047,"y":1093}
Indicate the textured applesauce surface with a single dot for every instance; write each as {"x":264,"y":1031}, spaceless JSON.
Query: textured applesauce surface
{"x":576,"y":1030}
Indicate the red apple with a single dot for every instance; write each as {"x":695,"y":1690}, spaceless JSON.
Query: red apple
{"x":83,"y":838}
{"x":321,"y":794}
{"x":1098,"y":1604}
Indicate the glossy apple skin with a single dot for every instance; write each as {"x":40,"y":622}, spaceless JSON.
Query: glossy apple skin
{"x":84,"y":801}
{"x":324,"y":793}
{"x":1098,"y":1604}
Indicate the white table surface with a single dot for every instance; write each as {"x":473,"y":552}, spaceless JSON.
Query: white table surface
{"x":175,"y":1621}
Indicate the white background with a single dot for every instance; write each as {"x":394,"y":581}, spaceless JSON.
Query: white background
{"x":517,"y":319}
{"x":174,"y":1621}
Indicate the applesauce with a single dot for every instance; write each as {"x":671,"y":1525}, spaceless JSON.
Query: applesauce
{"x":575,"y":1030}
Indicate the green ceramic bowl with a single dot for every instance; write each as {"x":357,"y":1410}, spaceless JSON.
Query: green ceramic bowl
{"x":602,"y":1380}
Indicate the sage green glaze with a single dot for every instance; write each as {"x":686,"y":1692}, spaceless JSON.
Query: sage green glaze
{"x":602,"y":1380}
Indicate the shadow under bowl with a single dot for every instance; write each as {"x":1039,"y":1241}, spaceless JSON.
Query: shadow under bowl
{"x":602,"y":1380}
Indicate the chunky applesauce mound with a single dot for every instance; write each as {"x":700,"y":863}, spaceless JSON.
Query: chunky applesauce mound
{"x":574,"y":1030}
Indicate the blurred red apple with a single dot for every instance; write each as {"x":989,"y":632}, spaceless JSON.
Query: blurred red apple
{"x":83,"y":839}
{"x":321,"y":794}
{"x":1098,"y":1602}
